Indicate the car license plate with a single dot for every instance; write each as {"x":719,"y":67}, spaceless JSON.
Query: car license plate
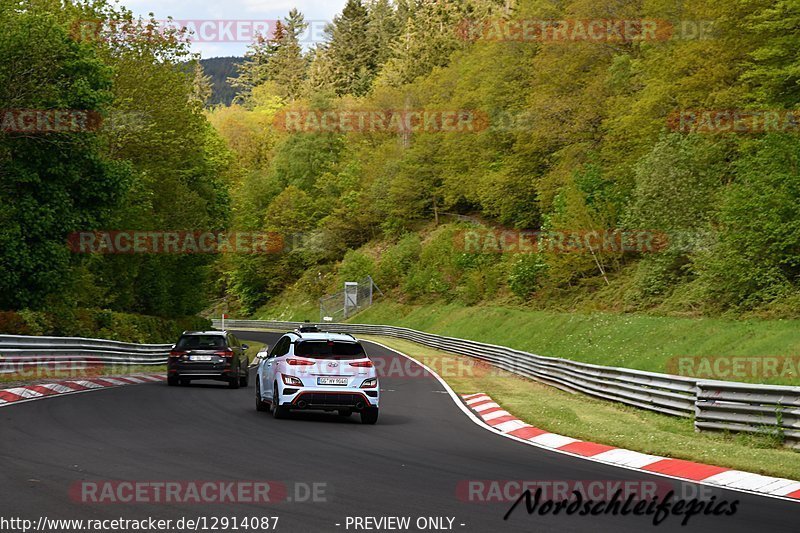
{"x":332,"y":381}
{"x":199,"y":358}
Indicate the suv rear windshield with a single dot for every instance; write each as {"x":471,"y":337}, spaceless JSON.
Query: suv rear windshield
{"x":200,"y":342}
{"x":329,"y":350}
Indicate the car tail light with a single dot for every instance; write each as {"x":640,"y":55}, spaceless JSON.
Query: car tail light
{"x":177,"y":353}
{"x":362,"y":364}
{"x":291,"y":380}
{"x":299,"y":362}
{"x":226,"y":353}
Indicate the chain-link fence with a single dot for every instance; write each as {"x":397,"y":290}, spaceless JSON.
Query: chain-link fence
{"x":356,"y":296}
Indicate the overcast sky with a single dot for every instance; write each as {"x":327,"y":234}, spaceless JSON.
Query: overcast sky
{"x":217,"y":16}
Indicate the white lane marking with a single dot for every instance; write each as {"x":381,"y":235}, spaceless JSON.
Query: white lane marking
{"x":628,"y":458}
{"x":727,"y":478}
{"x":757,"y":482}
{"x":511,"y":425}
{"x":742,"y":480}
{"x":24,"y":393}
{"x":58,"y":388}
{"x":114,"y":381}
{"x":474,"y":396}
{"x":486,"y":406}
{"x":474,"y":418}
{"x":88,"y":384}
{"x":552,"y":440}
{"x":495,"y":414}
{"x":787,"y":489}
{"x":479,"y":399}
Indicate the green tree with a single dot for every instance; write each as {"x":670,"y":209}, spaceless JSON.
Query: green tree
{"x":254,"y":71}
{"x":384,"y":28}
{"x":287,"y":67}
{"x":351,"y":50}
{"x":51,"y":184}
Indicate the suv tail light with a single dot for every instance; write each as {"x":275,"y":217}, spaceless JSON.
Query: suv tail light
{"x":177,"y":353}
{"x":299,"y":362}
{"x":362,"y":364}
{"x":226,"y":353}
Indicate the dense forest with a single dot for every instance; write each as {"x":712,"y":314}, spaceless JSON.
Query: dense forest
{"x":571,"y":134}
{"x":580,"y":135}
{"x":152,"y":162}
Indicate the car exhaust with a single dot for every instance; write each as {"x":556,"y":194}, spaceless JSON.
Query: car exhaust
{"x":360,"y":406}
{"x":302,"y":404}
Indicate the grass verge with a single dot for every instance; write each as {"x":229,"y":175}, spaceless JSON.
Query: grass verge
{"x":585,"y":418}
{"x":641,"y":342}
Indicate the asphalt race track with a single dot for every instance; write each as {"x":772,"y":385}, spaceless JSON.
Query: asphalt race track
{"x":414,"y":462}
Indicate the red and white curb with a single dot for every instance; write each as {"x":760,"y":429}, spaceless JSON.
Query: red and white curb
{"x":47,"y":390}
{"x":504,"y":422}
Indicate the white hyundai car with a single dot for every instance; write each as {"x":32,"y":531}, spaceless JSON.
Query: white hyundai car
{"x":314,"y":370}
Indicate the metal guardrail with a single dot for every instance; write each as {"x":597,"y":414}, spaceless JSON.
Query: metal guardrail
{"x":749,"y":408}
{"x":73,"y":353}
{"x":714,"y":405}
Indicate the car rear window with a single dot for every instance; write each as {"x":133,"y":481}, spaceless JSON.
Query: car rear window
{"x":329,"y":350}
{"x":201,"y":342}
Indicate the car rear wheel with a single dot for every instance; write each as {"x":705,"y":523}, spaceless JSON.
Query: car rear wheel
{"x":244,"y":381}
{"x":172,"y":381}
{"x":233,"y":382}
{"x":261,"y":405}
{"x":369,"y":415}
{"x":278,"y":411}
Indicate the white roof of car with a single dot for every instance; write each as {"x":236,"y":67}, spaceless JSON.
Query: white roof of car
{"x":325,"y":336}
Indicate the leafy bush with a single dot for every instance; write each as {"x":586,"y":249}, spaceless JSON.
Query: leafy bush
{"x":756,"y":259}
{"x":11,"y":323}
{"x":397,"y":260}
{"x":356,"y":266}
{"x":525,"y":275}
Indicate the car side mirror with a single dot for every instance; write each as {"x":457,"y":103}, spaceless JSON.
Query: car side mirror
{"x":245,"y":346}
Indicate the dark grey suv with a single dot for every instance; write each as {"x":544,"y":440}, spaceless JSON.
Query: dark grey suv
{"x":216,"y":355}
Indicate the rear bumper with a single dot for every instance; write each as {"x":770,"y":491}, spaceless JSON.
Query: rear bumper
{"x":331,"y":400}
{"x":200,"y":371}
